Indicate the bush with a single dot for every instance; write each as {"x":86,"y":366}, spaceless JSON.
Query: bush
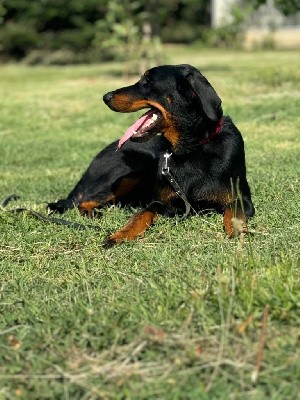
{"x":16,"y":39}
{"x":61,"y":57}
{"x":181,"y":32}
{"x":232,"y":34}
{"x":73,"y":39}
{"x":227,"y":37}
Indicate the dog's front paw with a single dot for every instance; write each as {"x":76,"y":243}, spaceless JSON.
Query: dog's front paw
{"x":109,"y":242}
{"x":58,"y":207}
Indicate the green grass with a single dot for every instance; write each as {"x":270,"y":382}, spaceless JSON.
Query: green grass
{"x":162,"y":317}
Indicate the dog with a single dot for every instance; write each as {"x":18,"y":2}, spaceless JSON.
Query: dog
{"x":181,"y":155}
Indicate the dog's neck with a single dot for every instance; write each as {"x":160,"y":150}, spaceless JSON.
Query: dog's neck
{"x":202,"y":133}
{"x":213,"y":132}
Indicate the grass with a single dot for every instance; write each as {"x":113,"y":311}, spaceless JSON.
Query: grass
{"x":176,"y":314}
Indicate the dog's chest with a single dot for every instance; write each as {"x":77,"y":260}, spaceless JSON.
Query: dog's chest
{"x":192,"y":177}
{"x":187,"y":174}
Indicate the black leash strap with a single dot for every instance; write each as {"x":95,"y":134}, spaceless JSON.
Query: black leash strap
{"x":166,"y":172}
{"x":8,"y":199}
{"x":58,"y":221}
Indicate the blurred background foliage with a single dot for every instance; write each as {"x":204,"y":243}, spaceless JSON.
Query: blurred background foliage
{"x":76,"y":31}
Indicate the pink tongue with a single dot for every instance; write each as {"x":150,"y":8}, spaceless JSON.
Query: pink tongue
{"x":134,"y":128}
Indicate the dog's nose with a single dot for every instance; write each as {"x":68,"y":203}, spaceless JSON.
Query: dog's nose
{"x":107,"y":97}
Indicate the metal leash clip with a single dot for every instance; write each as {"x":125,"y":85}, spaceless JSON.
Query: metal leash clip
{"x":166,"y":168}
{"x":166,"y":172}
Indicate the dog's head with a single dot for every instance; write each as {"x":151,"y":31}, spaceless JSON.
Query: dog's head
{"x":180,"y":100}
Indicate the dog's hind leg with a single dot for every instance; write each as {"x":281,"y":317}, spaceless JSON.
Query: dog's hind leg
{"x":119,"y":191}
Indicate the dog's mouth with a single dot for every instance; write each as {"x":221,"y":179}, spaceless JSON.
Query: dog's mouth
{"x":147,"y":126}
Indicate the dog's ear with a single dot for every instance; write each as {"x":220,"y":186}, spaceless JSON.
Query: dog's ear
{"x":206,"y":94}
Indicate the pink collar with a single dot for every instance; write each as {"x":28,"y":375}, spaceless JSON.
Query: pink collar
{"x":210,"y":135}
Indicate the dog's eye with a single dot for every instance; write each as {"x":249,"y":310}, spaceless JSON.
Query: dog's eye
{"x":145,"y":84}
{"x":146,"y":78}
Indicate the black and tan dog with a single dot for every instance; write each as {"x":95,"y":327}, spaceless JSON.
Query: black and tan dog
{"x":205,"y":154}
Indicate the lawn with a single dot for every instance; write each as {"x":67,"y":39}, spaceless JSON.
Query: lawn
{"x":183,"y":313}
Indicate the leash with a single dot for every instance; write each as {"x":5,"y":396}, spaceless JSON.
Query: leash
{"x":57,"y":221}
{"x":166,"y":172}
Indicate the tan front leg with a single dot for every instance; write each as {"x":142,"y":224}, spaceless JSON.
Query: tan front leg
{"x":136,"y":227}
